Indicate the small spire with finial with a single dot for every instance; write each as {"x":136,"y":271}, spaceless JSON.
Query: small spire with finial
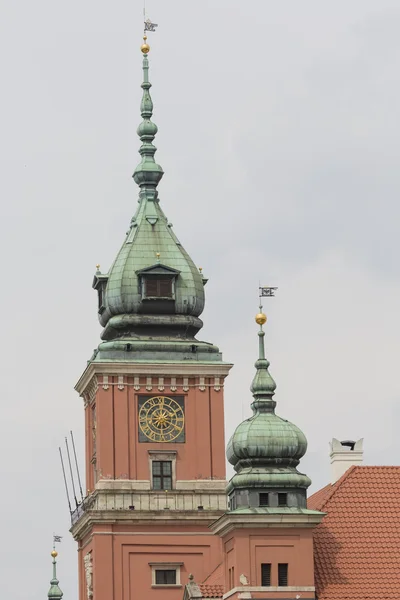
{"x":148,"y":173}
{"x":263,"y":386}
{"x":55,"y":592}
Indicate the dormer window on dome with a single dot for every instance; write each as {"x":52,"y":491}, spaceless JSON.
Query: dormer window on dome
{"x":157,"y":282}
{"x":160,"y":287}
{"x":99,"y":284}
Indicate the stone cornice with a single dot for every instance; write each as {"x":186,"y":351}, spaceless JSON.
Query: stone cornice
{"x":111,"y":486}
{"x":183,"y":369}
{"x":85,"y":524}
{"x":228,"y":522}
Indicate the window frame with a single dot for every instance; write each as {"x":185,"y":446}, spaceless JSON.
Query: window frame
{"x":160,"y":455}
{"x":285,"y":576}
{"x":165,"y":573}
{"x":269,"y":565}
{"x":166,"y":566}
{"x":280,"y":496}
{"x":263,"y":495}
{"x":162,"y":476}
{"x":158,"y":280}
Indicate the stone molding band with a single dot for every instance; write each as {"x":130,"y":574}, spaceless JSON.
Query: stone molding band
{"x":150,"y":384}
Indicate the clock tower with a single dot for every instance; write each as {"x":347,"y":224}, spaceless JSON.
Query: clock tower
{"x":153,"y":401}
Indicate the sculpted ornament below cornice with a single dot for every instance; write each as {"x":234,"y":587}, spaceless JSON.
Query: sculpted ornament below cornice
{"x":155,"y":375}
{"x":150,"y":384}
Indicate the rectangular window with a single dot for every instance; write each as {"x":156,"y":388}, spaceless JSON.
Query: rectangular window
{"x":282,"y":499}
{"x":283,"y":574}
{"x":266,"y":574}
{"x":162,"y":474}
{"x":158,"y":288}
{"x":165,"y":576}
{"x":264,"y":500}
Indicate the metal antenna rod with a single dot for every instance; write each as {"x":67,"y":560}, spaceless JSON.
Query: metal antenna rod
{"x":65,"y":480}
{"x":76,"y":464}
{"x":72,"y":476}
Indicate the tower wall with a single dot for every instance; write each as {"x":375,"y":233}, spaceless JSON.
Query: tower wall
{"x":124,"y":557}
{"x":113,"y":447}
{"x":246,"y":549}
{"x":126,"y":529}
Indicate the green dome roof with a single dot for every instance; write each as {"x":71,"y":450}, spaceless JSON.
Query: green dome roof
{"x":267,"y":436}
{"x":266,"y":449}
{"x":150,"y":249}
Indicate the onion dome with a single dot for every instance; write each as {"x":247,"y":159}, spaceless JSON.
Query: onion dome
{"x":266,"y":449}
{"x":153,"y":293}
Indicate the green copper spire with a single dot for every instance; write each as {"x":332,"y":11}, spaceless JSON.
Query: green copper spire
{"x":54,"y":592}
{"x":151,"y":299}
{"x":263,"y":386}
{"x":148,"y":173}
{"x":266,"y":449}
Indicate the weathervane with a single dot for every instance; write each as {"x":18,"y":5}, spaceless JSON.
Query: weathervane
{"x":267,"y":291}
{"x":148,"y":25}
{"x":56,"y":539}
{"x":264,"y":291}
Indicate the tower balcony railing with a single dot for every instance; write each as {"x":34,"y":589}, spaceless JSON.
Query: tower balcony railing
{"x":151,"y":501}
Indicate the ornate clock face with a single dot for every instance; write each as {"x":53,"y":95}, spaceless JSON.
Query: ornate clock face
{"x":161,"y":419}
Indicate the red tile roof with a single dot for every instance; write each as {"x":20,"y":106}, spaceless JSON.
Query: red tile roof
{"x":211,"y":591}
{"x":213,"y":585}
{"x":357,"y":545}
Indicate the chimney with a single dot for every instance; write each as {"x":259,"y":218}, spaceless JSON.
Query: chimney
{"x":343,"y":456}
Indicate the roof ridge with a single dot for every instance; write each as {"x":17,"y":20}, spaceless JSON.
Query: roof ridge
{"x":377,"y":466}
{"x":212,"y":573}
{"x":335,"y":486}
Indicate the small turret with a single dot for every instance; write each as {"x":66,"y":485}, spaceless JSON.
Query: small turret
{"x":266,"y":449}
{"x":54,"y":592}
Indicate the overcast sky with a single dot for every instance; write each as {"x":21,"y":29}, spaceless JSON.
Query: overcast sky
{"x":279,"y":136}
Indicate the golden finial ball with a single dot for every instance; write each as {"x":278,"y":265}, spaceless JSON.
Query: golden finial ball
{"x":145,"y":48}
{"x":54,"y":553}
{"x":261,"y":318}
